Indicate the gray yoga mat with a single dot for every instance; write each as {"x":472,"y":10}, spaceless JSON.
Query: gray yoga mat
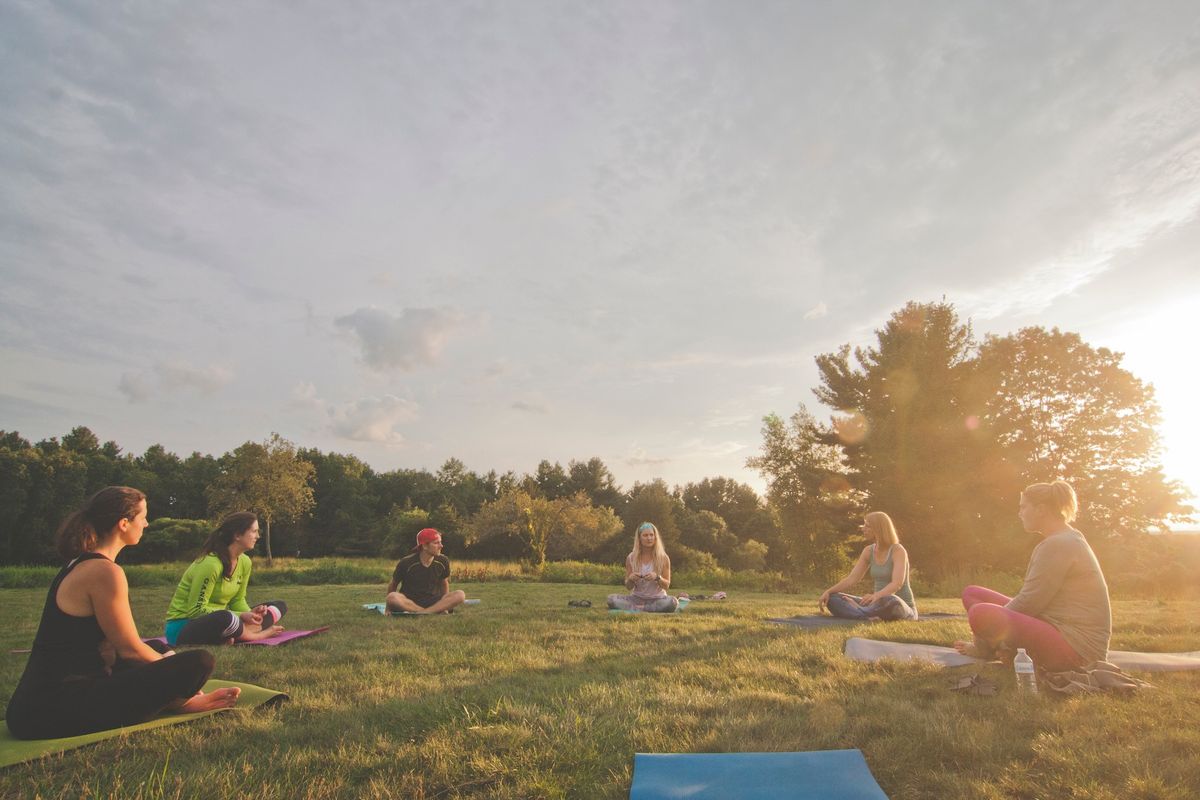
{"x":860,"y":649}
{"x":819,"y":621}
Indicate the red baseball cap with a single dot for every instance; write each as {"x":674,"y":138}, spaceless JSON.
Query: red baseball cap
{"x":428,"y":535}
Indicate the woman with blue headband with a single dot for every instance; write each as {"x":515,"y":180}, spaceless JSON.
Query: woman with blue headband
{"x":647,"y":575}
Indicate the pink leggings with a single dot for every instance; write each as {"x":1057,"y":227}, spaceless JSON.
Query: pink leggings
{"x":996,"y":626}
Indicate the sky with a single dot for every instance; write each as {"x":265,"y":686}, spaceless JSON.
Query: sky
{"x":508,"y":232}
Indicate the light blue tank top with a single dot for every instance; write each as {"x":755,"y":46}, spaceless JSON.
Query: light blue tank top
{"x":882,"y":574}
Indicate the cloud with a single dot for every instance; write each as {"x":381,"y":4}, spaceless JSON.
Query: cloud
{"x":817,"y":311}
{"x":373,"y":419}
{"x":412,"y":339}
{"x":173,"y":377}
{"x":177,"y":375}
{"x":698,"y":448}
{"x":304,"y":395}
{"x":531,"y":407}
{"x":638,"y":458}
{"x":136,"y":386}
{"x":497,"y":369}
{"x":729,"y":420}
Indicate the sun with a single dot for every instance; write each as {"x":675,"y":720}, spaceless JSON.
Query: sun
{"x":1158,"y":348}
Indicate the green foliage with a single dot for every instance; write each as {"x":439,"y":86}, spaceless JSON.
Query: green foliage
{"x":942,"y":434}
{"x":808,"y":490}
{"x":167,"y":539}
{"x":399,"y":530}
{"x":268,"y":478}
{"x":1058,"y":408}
{"x":685,"y":559}
{"x":557,"y":529}
{"x":750,"y":555}
{"x":902,"y":425}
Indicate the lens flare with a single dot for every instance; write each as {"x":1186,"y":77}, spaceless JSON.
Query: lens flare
{"x":851,"y":427}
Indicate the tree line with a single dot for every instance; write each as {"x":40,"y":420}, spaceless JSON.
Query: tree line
{"x":929,"y":424}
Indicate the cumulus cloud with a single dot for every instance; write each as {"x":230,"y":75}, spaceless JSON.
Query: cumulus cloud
{"x":304,"y":395}
{"x":136,"y":386}
{"x":413,"y":338}
{"x":177,"y":375}
{"x":173,"y":377}
{"x":373,"y":419}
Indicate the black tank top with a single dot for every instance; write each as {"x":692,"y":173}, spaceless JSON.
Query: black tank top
{"x":65,"y":646}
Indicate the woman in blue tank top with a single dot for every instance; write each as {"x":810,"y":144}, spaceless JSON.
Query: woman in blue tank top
{"x":887,"y":561}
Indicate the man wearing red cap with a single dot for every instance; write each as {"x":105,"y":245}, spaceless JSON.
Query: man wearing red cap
{"x":421,"y":582}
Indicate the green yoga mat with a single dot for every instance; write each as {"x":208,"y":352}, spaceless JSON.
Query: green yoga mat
{"x":14,"y":751}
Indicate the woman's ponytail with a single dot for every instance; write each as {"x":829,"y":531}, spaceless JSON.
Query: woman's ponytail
{"x":89,"y":526}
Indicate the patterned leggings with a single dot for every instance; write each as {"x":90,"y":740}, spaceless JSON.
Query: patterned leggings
{"x":628,"y":602}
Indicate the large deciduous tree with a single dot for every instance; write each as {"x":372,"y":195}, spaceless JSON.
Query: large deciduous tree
{"x":1056,"y":407}
{"x":565,"y":527}
{"x":268,"y":478}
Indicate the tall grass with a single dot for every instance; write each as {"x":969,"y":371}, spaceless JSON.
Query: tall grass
{"x":1141,"y":578}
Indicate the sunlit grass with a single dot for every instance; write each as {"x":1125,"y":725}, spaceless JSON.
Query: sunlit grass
{"x":522,"y":697}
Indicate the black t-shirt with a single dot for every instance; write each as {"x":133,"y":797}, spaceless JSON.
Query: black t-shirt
{"x":415,"y":580}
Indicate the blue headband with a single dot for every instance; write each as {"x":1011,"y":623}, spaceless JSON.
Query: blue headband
{"x":646,"y":526}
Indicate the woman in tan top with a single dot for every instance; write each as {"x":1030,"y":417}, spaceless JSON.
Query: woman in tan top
{"x":1062,"y":615}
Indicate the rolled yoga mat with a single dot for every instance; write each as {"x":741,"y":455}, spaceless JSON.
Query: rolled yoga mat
{"x":14,"y":751}
{"x":816,"y":775}
{"x":874,"y":650}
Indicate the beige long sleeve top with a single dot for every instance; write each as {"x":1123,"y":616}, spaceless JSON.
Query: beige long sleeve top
{"x":1065,"y":587}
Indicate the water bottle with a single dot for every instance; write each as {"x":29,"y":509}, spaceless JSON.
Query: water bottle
{"x":1026,"y":679}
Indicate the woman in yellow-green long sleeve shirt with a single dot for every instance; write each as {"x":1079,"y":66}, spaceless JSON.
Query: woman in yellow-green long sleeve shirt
{"x":209,"y":606}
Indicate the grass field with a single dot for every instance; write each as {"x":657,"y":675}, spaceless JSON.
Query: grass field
{"x":521,"y":697}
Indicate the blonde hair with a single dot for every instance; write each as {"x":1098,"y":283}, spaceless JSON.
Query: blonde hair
{"x":660,"y":554}
{"x":1058,"y":497}
{"x":880,"y":526}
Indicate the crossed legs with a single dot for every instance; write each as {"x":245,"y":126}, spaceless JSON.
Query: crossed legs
{"x":999,"y":630}
{"x":399,"y":602}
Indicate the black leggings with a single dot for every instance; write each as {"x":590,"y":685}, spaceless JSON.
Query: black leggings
{"x":217,"y":627}
{"x":130,"y":695}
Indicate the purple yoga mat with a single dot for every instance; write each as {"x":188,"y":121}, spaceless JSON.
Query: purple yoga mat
{"x":282,"y":638}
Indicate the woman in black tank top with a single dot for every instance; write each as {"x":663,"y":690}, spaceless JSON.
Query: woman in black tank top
{"x":88,"y":670}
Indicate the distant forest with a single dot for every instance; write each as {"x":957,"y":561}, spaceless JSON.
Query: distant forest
{"x":936,"y":428}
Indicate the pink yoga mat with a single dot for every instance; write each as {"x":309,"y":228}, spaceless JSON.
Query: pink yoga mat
{"x":283,"y":638}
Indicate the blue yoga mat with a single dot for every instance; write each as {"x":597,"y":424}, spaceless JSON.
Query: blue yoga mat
{"x":381,"y":608}
{"x":817,"y":775}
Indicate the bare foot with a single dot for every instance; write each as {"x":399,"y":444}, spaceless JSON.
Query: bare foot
{"x":251,"y":636}
{"x":221,"y":698}
{"x":969,"y":649}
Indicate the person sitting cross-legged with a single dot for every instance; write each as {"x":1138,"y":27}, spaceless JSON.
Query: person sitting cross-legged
{"x":647,"y":575}
{"x":209,"y":605}
{"x":421,"y":581}
{"x":1062,"y":616}
{"x":887,"y":562}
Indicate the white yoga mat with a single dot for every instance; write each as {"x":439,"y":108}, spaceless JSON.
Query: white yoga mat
{"x":873,"y":650}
